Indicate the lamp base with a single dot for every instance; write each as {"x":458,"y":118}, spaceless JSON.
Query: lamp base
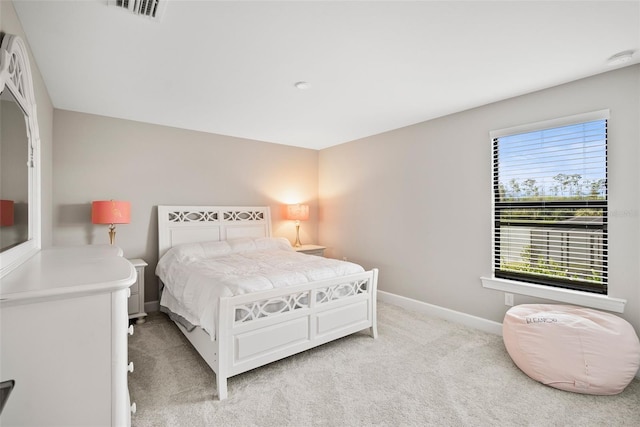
{"x":297,"y":244}
{"x":112,"y":234}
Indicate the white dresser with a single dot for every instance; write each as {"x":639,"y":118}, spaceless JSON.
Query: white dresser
{"x":63,"y":338}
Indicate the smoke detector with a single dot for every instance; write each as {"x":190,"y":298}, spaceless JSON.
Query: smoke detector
{"x":152,"y":9}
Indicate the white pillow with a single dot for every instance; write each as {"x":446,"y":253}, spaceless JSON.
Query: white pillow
{"x":264,"y":243}
{"x":245,"y":244}
{"x":189,"y":252}
{"x":196,"y":251}
{"x":250,"y":244}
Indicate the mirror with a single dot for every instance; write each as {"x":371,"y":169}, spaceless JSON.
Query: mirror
{"x":14,"y":174}
{"x":19,"y":157}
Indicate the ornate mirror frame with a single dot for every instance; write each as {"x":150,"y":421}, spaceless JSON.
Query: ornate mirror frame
{"x":15,"y":76}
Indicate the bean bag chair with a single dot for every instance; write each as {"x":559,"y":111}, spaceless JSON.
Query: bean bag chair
{"x":572,"y":348}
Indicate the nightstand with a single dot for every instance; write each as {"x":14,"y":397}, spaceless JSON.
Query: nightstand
{"x":136,"y":300}
{"x":310,"y":249}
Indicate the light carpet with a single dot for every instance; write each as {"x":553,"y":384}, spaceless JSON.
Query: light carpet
{"x":421,"y":371}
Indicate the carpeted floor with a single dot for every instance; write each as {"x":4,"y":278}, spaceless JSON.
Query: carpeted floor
{"x":419,"y":372}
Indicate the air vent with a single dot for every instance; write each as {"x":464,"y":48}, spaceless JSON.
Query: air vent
{"x":150,"y":8}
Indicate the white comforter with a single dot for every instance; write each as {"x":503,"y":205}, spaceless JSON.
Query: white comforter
{"x":195,"y":275}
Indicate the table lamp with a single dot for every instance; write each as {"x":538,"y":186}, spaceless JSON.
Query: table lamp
{"x":110,"y":212}
{"x":298,"y":213}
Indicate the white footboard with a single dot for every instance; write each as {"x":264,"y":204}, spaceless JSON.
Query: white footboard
{"x":260,"y":328}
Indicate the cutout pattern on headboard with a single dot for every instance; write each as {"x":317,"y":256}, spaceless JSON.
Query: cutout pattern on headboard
{"x":189,"y":216}
{"x":190,"y":224}
{"x":244,"y":216}
{"x":209,"y":216}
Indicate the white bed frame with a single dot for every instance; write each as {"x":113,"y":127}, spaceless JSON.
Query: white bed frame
{"x":312,"y":313}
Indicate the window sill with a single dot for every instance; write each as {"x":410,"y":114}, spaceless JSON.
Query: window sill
{"x":569,"y":296}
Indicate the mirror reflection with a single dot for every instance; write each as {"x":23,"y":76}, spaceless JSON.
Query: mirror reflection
{"x":14,"y":173}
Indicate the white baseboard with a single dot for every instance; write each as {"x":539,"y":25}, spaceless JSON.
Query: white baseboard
{"x":441,"y":313}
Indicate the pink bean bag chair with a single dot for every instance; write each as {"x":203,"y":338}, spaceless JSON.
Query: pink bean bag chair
{"x":572,"y":348}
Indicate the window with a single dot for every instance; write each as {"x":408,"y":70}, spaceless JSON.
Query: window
{"x":550,"y":203}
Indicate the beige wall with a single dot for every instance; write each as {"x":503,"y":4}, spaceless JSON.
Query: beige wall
{"x":101,"y":158}
{"x":10,"y":24}
{"x":416,"y":202}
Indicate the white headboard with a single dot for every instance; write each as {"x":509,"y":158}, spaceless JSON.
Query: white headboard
{"x":189,"y":224}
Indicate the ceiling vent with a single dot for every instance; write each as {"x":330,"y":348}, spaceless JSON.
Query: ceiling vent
{"x":152,"y":9}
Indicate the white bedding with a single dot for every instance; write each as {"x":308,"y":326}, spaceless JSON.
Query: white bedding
{"x":195,"y":275}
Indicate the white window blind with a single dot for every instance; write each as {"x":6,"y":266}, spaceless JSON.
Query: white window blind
{"x":550,"y":203}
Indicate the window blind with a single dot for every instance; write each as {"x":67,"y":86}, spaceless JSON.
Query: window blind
{"x":550,"y":205}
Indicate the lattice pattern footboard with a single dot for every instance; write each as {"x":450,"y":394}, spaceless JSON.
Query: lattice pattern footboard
{"x":271,"y":307}
{"x":261,"y":328}
{"x":287,"y":303}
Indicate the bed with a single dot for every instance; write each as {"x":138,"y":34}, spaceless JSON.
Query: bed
{"x":250,"y":325}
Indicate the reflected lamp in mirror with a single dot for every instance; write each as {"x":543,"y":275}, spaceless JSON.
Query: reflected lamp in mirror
{"x":111,"y":212}
{"x":298,"y":213}
{"x":6,"y":213}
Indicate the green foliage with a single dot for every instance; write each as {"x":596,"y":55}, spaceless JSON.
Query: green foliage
{"x":546,"y":267}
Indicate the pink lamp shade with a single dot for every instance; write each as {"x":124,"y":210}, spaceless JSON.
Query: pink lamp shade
{"x":110,"y":212}
{"x":298,"y":212}
{"x":6,"y":213}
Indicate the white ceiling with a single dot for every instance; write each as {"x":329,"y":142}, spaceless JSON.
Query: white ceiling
{"x":229,"y":67}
